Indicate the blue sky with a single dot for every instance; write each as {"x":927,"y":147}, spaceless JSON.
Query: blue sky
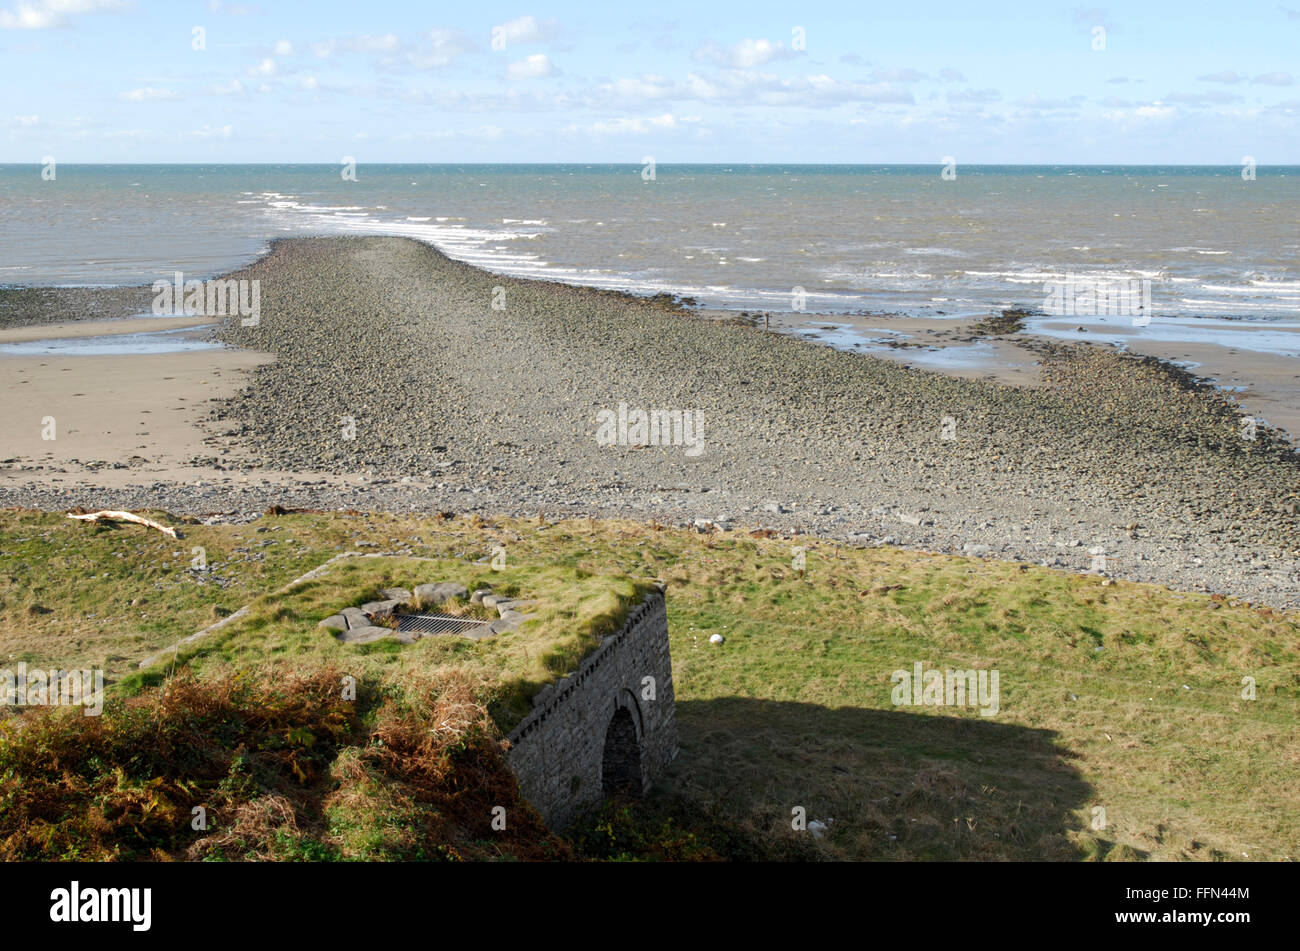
{"x":122,"y":81}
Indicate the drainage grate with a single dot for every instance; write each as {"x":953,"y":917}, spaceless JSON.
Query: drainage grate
{"x":437,"y":624}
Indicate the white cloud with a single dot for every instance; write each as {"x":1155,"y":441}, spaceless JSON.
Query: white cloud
{"x":433,"y":49}
{"x":528,"y":30}
{"x":1155,"y":111}
{"x":46,"y":14}
{"x":310,"y":82}
{"x":265,"y":68}
{"x":625,"y":126}
{"x":974,"y":95}
{"x":27,"y":121}
{"x":1274,"y":79}
{"x":284,"y":48}
{"x":441,"y":48}
{"x":149,"y":94}
{"x":649,"y":86}
{"x":897,"y":75}
{"x":490,"y":133}
{"x":1214,"y":97}
{"x":232,"y":88}
{"x":208,"y":132}
{"x":744,"y":55}
{"x":1085,"y":20}
{"x":388,"y":43}
{"x":749,"y":86}
{"x":233,"y":9}
{"x":1035,"y":101}
{"x":531,"y":67}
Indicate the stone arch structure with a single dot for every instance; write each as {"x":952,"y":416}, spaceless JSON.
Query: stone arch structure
{"x":625,"y":699}
{"x":620,"y":763}
{"x":578,"y":744}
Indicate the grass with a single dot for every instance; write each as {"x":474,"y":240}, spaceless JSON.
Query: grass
{"x":256,"y":768}
{"x":576,"y":609}
{"x":1121,"y":700}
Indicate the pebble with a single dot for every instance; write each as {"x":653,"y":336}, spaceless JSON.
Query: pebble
{"x":382,"y":330}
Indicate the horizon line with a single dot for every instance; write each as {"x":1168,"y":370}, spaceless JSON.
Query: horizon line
{"x":1232,"y":165}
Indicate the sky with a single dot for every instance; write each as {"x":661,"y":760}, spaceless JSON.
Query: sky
{"x":723,"y":81}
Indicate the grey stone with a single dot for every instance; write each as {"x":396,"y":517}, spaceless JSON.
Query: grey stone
{"x":429,"y":595}
{"x":379,"y":608}
{"x":396,"y":594}
{"x":355,"y":618}
{"x":478,"y":595}
{"x":508,"y":621}
{"x":516,"y":604}
{"x":335,"y":621}
{"x":364,"y":635}
{"x":479,"y":631}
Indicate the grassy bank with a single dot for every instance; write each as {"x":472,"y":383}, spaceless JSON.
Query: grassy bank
{"x":1121,"y":730}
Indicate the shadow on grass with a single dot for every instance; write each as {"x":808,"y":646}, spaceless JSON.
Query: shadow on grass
{"x":887,"y":784}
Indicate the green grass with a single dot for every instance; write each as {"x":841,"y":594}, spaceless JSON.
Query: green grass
{"x":575,"y":610}
{"x":1120,"y":697}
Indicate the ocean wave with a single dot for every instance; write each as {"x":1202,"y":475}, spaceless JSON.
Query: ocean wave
{"x":882,"y":285}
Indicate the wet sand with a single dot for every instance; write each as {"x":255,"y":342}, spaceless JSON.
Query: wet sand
{"x":140,"y":412}
{"x":80,"y":330}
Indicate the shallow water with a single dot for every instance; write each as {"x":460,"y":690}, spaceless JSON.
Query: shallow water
{"x":180,"y":340}
{"x":1277,"y":338}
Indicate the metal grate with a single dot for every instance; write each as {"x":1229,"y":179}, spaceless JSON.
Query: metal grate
{"x":437,"y":624}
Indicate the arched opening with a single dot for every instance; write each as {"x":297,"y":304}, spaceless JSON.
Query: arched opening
{"x":620,"y":768}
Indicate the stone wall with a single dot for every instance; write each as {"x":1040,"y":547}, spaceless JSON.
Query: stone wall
{"x":577,"y":742}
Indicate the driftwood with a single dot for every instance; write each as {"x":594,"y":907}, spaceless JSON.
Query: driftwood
{"x":125,"y":517}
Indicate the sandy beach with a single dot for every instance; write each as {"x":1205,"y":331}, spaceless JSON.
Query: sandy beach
{"x":410,"y":392}
{"x":141,"y":413}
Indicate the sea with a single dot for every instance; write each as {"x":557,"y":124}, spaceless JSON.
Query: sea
{"x":1213,"y":242}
